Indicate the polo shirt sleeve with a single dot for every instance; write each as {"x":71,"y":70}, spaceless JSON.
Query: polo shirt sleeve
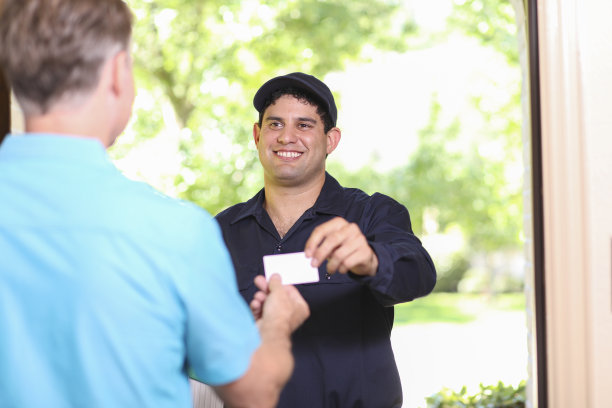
{"x":221,"y":335}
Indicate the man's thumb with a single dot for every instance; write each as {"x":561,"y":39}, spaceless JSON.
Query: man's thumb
{"x":275,"y":282}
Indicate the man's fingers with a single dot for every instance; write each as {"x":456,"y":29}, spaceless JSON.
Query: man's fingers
{"x":283,"y":304}
{"x":260,"y":296}
{"x":326,"y":250}
{"x":334,"y":238}
{"x":359,"y":262}
{"x":347,"y":250}
{"x":275,"y":283}
{"x":339,"y":244}
{"x":320,"y":234}
{"x":344,"y":250}
{"x":261,"y":283}
{"x":349,"y":260}
{"x":256,"y":305}
{"x":301,"y":311}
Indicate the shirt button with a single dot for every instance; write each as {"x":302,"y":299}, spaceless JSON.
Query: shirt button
{"x":278,"y":248}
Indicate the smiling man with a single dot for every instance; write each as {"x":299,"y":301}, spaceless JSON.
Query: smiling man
{"x":343,"y":355}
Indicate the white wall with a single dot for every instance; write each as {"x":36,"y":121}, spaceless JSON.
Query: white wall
{"x":576,"y":86}
{"x":595,"y":54}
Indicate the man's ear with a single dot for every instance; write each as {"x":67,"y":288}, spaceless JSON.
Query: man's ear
{"x":120,"y":71}
{"x":256,"y":132}
{"x":333,"y":138}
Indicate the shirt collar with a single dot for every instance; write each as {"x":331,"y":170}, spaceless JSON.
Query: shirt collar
{"x":328,"y":202}
{"x":253,"y":207}
{"x":45,"y":146}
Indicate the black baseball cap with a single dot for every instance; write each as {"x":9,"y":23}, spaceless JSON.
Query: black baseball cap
{"x":302,"y":81}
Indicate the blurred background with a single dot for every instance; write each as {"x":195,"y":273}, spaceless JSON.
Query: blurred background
{"x":429,"y":98}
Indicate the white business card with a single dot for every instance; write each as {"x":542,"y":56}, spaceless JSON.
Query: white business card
{"x":293,"y":268}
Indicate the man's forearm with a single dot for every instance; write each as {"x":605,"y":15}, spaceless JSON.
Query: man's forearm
{"x":270,"y":368}
{"x":284,"y":310}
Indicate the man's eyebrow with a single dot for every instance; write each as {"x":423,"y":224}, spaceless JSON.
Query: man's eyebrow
{"x":301,"y":119}
{"x":307,"y":119}
{"x":278,"y":118}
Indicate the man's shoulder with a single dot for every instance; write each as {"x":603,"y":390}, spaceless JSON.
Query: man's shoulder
{"x":230,"y":214}
{"x":333,"y":188}
{"x":148,"y":197}
{"x":231,"y":211}
{"x":163,"y":217}
{"x":357,"y":203}
{"x":355,"y":196}
{"x":240,"y":210}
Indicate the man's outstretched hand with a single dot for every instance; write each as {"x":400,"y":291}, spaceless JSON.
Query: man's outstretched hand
{"x":344,"y":246}
{"x":279,"y":304}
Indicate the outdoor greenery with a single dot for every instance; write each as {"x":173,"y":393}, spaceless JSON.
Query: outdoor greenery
{"x":457,"y":308}
{"x":490,"y":396}
{"x":198,"y":64}
{"x":205,"y":59}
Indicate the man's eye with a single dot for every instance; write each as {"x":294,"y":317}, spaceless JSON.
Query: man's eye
{"x":304,"y":125}
{"x":275,"y":125}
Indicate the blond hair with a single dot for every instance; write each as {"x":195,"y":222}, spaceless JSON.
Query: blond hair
{"x":51,"y":50}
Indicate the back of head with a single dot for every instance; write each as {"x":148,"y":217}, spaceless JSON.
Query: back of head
{"x":52,"y":51}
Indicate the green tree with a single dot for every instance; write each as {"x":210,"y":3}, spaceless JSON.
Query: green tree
{"x":206,"y":58}
{"x":493,"y":22}
{"x":463,"y":187}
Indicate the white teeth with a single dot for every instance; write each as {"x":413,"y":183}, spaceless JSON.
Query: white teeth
{"x":289,"y":154}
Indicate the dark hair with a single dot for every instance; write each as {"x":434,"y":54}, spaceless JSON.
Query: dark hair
{"x":301,"y":95}
{"x":54,"y":49}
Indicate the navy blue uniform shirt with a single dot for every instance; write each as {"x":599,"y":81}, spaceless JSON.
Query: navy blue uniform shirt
{"x":343,"y":355}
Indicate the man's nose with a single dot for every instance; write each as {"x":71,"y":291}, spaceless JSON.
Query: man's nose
{"x":288,"y":135}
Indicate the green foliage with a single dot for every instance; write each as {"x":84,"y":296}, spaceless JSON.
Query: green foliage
{"x":489,"y":280}
{"x":493,"y":22}
{"x":450,"y":277}
{"x":494,"y":219}
{"x":490,"y":396}
{"x":462,"y":187}
{"x":456,"y":308}
{"x":206,"y":59}
{"x":432,"y":309}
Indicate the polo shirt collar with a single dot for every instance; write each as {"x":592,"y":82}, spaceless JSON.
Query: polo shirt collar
{"x":43,"y":146}
{"x":253,"y":207}
{"x":329,"y":201}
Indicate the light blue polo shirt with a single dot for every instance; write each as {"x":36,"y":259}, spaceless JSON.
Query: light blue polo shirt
{"x":109,"y":290}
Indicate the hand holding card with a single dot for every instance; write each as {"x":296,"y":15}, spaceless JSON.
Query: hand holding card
{"x":293,"y":268}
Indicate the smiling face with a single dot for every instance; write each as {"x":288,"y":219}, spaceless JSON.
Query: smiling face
{"x":292,"y":143}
